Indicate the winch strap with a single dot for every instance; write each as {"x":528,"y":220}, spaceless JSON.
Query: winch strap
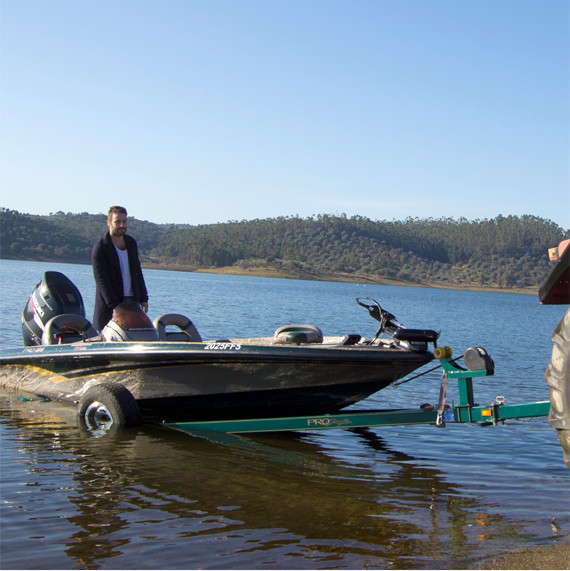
{"x":441,"y":403}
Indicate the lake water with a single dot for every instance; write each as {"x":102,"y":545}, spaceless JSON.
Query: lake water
{"x":393,"y":497}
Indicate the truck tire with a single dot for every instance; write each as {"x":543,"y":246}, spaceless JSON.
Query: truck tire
{"x":558,"y":379}
{"x":106,"y":407}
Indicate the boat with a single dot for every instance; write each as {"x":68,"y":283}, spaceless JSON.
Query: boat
{"x":162,"y":371}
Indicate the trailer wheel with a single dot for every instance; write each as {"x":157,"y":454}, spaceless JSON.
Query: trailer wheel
{"x":106,"y":407}
{"x":558,"y":379}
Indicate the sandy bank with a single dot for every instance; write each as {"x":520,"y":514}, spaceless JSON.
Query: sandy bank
{"x":555,"y":555}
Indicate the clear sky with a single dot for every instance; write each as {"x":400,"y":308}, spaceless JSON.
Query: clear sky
{"x":202,"y":111}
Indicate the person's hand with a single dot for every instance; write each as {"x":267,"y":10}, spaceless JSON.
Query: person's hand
{"x":144,"y":305}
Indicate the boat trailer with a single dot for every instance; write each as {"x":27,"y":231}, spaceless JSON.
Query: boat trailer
{"x":467,"y":411}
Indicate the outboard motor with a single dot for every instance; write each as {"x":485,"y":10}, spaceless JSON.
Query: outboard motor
{"x":55,"y":295}
{"x":129,"y":323}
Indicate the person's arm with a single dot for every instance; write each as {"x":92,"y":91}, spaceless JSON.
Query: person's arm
{"x":103,"y":273}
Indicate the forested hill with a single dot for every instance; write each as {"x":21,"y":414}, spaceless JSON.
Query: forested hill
{"x":506,"y":252}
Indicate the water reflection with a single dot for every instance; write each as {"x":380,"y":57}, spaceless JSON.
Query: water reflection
{"x":153,"y":498}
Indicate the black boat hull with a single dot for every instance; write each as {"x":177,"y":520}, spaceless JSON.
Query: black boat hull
{"x":211,"y":381}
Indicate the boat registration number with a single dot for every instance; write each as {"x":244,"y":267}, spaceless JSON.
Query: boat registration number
{"x":223,"y":347}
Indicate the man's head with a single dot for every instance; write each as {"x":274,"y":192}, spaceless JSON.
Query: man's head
{"x":117,"y":220}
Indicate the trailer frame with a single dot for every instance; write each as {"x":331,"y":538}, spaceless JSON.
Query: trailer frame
{"x":467,"y":411}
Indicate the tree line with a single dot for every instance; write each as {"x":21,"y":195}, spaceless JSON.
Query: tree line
{"x":506,"y":251}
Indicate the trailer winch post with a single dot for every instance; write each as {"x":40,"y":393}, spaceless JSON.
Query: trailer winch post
{"x":468,"y":410}
{"x":464,"y":379}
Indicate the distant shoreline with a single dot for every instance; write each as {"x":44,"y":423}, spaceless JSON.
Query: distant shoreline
{"x":331,"y":277}
{"x":307,"y":275}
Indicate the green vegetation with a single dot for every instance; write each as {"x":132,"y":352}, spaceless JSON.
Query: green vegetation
{"x":505,"y":252}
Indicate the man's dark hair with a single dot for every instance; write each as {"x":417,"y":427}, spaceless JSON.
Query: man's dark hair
{"x":116,"y":210}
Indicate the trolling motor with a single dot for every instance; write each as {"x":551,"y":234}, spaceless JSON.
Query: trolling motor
{"x":414,"y":339}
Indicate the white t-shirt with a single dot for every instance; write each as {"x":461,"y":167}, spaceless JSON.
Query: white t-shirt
{"x":125,"y":271}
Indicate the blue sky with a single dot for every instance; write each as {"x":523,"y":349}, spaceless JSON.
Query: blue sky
{"x":195,"y":111}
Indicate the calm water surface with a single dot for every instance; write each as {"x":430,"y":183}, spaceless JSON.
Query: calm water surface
{"x":395,"y":497}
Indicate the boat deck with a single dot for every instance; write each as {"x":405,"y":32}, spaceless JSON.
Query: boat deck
{"x":333,"y":342}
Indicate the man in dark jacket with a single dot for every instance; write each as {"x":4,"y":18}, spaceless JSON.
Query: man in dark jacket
{"x":117,"y":269}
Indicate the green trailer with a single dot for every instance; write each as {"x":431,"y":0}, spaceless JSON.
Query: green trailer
{"x":479,"y":365}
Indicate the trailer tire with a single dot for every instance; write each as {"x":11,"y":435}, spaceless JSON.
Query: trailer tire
{"x":557,"y":377}
{"x":106,"y":407}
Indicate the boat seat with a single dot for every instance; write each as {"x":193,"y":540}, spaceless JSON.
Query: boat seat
{"x":185,"y":333}
{"x":67,"y":328}
{"x":114,"y":332}
{"x":129,"y":323}
{"x":297,"y":334}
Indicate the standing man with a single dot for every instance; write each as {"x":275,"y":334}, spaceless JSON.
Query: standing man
{"x":117,"y":269}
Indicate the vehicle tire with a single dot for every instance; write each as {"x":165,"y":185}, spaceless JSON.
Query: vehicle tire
{"x":106,"y":407}
{"x":558,"y":379}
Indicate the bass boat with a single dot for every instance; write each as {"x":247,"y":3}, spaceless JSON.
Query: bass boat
{"x":163,"y":371}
